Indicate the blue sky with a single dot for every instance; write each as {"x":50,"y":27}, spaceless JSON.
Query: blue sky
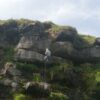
{"x":82,"y":14}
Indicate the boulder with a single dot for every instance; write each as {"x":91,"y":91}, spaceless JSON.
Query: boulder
{"x":67,"y":35}
{"x":97,"y":42}
{"x":27,"y":55}
{"x":10,"y":69}
{"x":34,"y":43}
{"x":37,"y":89}
{"x":62,"y":49}
{"x":32,"y":56}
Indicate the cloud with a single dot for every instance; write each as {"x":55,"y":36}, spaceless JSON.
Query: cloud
{"x":82,"y":14}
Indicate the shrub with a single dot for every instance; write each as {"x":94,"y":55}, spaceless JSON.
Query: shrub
{"x":37,"y":77}
{"x":88,"y":39}
{"x":21,"y":97}
{"x":57,"y":96}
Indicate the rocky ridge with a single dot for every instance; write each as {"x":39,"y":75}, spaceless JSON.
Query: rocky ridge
{"x":63,"y":42}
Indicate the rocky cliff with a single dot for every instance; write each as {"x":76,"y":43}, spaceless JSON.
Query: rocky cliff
{"x":31,"y":38}
{"x":69,"y":74}
{"x":63,"y":41}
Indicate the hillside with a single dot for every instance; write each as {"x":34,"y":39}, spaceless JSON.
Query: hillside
{"x":72,"y":72}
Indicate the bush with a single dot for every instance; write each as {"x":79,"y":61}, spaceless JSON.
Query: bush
{"x":88,"y":39}
{"x":57,"y":96}
{"x":37,"y":77}
{"x":21,"y":97}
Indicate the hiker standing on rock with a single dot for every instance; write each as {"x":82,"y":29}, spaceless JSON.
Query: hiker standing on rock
{"x":46,"y":59}
{"x":47,"y":55}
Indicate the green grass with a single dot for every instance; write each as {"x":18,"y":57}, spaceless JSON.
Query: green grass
{"x":21,"y":97}
{"x":88,"y":39}
{"x":98,"y":76}
{"x":57,"y":96}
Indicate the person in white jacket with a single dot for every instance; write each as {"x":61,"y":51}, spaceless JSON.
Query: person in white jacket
{"x":47,"y":54}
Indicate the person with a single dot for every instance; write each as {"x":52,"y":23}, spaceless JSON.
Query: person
{"x":46,"y":59}
{"x":47,"y":54}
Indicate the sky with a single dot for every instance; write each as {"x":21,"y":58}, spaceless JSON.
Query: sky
{"x":84,"y":15}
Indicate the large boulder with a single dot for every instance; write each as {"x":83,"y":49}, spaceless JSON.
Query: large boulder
{"x":32,"y":56}
{"x":26,"y":55}
{"x":68,"y":34}
{"x":62,"y":49}
{"x":34,"y":43}
{"x":97,"y":42}
{"x":37,"y":89}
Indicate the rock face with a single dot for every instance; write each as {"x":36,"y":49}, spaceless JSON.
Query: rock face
{"x":63,"y":42}
{"x":10,"y":69}
{"x":27,"y":55}
{"x":39,"y":89}
{"x":10,"y":76}
{"x":31,"y":38}
{"x":97,"y":42}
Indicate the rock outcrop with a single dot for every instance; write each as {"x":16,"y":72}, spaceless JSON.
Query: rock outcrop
{"x":37,"y":89}
{"x":26,"y":70}
{"x":63,"y":42}
{"x":97,"y":42}
{"x":31,"y":38}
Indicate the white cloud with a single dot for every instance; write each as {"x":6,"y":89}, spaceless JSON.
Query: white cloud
{"x":70,"y":11}
{"x":82,"y":14}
